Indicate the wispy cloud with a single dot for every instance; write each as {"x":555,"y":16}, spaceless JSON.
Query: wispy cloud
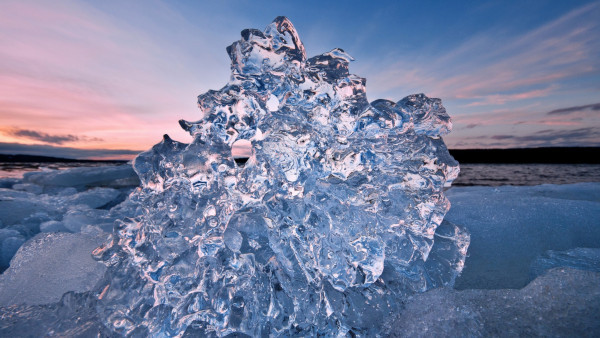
{"x":570,"y":110}
{"x":48,"y":138}
{"x":500,"y":99}
{"x":502,"y":137}
{"x":589,"y":136}
{"x":494,"y":69}
{"x":555,"y":136}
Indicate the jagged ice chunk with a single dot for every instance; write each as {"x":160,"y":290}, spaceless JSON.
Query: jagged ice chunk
{"x":327,"y":227}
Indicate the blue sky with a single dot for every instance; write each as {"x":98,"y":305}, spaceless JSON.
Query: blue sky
{"x":119,"y":74}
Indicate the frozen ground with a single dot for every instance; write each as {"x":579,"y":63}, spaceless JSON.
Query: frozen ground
{"x":49,"y":265}
{"x":86,"y":200}
{"x":511,"y":226}
{"x":53,"y":221}
{"x":564,"y":302}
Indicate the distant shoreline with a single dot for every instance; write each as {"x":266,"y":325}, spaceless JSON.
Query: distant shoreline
{"x":547,"y":155}
{"x":20,"y":158}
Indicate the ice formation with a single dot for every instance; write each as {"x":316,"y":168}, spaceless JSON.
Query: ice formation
{"x":49,"y":265}
{"x":324,"y":230}
{"x":579,"y":258}
{"x":564,"y":302}
{"x":62,"y":201}
{"x":555,"y":217}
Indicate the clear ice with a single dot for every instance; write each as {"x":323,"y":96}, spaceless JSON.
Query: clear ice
{"x":332,"y":221}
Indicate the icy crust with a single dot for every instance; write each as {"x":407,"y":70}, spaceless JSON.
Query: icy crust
{"x":512,"y":229}
{"x":49,"y":265}
{"x":324,"y":230}
{"x":564,"y":302}
{"x":77,"y":200}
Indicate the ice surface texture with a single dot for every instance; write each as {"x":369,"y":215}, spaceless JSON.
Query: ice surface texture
{"x":511,"y":226}
{"x":562,"y":303}
{"x":579,"y":258}
{"x":324,"y":230}
{"x":74,"y":200}
{"x":49,"y":265}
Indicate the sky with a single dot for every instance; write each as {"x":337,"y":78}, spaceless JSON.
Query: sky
{"x":106,"y":79}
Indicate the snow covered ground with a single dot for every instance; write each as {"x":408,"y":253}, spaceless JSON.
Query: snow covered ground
{"x":533,"y":266}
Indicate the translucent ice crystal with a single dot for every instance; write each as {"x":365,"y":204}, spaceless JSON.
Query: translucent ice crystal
{"x":327,"y":227}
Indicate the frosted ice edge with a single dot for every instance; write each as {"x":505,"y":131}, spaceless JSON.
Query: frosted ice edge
{"x":332,"y":221}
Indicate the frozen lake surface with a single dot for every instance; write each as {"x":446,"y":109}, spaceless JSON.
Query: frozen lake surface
{"x":518,"y":234}
{"x":18,"y":169}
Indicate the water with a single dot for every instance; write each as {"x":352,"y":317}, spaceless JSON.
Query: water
{"x":17,"y":169}
{"x":526,"y":174}
{"x":470,"y":174}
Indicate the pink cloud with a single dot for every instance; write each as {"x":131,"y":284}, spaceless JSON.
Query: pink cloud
{"x":68,"y":68}
{"x":486,"y":66}
{"x":500,"y":99}
{"x":558,"y":123}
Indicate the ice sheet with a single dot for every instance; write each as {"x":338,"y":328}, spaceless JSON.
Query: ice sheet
{"x":49,"y":265}
{"x":62,"y":201}
{"x":563,"y":303}
{"x":511,"y":226}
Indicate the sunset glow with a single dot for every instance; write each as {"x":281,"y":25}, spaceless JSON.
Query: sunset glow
{"x":105,"y":76}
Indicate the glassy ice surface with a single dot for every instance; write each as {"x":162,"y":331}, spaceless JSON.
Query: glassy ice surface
{"x":513,"y":227}
{"x":49,"y":265}
{"x":74,"y":200}
{"x":331,"y":222}
{"x":580,"y":258}
{"x":564,"y":302}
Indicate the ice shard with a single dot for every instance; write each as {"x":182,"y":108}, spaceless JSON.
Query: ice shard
{"x":333,"y":220}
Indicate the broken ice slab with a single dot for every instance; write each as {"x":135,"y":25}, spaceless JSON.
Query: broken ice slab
{"x":106,"y":176}
{"x":49,"y":265}
{"x":510,"y":226}
{"x":62,"y":201}
{"x":564,"y":302}
{"x":577,"y":258}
